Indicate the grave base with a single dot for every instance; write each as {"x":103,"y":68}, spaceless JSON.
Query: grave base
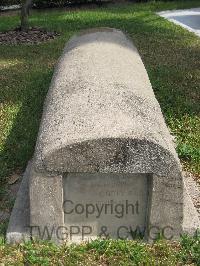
{"x":18,"y":227}
{"x":19,"y":224}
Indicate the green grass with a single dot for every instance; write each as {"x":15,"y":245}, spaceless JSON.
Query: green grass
{"x":103,"y":252}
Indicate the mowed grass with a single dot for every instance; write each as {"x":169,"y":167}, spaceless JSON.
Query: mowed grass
{"x":103,"y":252}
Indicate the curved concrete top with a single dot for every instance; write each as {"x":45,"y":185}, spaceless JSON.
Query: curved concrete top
{"x":101,"y":113}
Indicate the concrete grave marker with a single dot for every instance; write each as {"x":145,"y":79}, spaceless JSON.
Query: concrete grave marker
{"x":102,"y":142}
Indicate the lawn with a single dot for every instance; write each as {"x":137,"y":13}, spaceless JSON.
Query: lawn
{"x":103,"y":253}
{"x":171,"y":56}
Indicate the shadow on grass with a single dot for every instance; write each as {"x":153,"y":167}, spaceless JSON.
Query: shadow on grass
{"x":19,"y":144}
{"x":170,"y":54}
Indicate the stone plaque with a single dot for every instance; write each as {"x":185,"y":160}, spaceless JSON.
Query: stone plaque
{"x":105,"y":205}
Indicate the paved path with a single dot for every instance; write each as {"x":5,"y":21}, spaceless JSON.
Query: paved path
{"x":188,"y":18}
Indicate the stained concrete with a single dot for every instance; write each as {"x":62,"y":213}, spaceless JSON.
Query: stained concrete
{"x":18,"y":227}
{"x":101,"y":116}
{"x":101,"y":112}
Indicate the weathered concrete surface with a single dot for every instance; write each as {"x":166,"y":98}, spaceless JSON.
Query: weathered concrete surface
{"x":101,"y":112}
{"x":46,"y":205}
{"x":101,"y":116}
{"x":187,"y":18}
{"x":191,"y":220}
{"x":193,"y":189}
{"x":18,"y":227}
